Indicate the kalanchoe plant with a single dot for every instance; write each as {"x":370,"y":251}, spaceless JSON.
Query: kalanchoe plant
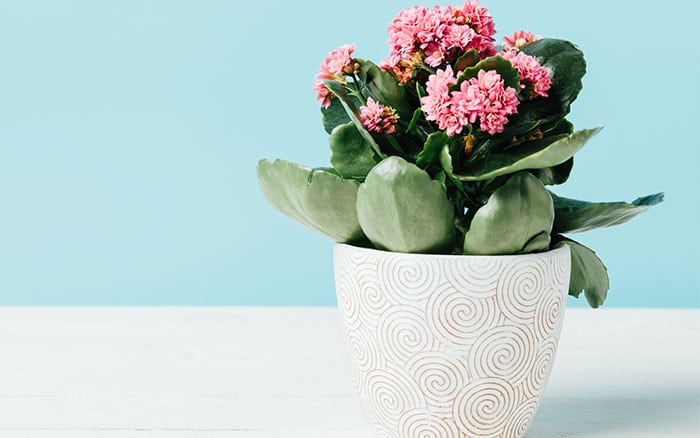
{"x":449,"y":144}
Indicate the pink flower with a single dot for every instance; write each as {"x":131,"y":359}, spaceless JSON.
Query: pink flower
{"x":487,"y":98}
{"x":484,"y":98}
{"x":338,"y":64}
{"x":378,"y":118}
{"x":437,"y":105}
{"x":323,"y":94}
{"x":335,"y":67}
{"x":438,"y":35}
{"x":401,"y":68}
{"x":534,"y":78}
{"x":478,"y":18}
{"x":460,"y":36}
{"x":519,"y":39}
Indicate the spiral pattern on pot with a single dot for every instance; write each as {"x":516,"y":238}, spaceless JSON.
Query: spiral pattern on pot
{"x":403,"y":332}
{"x":476,"y":277}
{"x":506,"y":351}
{"x":519,"y":422}
{"x":483,"y":406}
{"x":457,"y":319}
{"x":440,"y":376}
{"x":408,"y":279}
{"x":446,"y":346}
{"x":348,"y":304}
{"x":560,"y":268}
{"x":539,"y":374}
{"x":520,"y":287}
{"x":548,"y":314}
{"x":373,"y":301}
{"x":424,"y":424}
{"x":363,"y":349}
{"x":391,"y":393}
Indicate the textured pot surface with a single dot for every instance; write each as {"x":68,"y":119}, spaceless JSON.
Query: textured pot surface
{"x":451,"y":346}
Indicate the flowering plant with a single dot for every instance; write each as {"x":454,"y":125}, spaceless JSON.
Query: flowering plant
{"x":447,"y":146}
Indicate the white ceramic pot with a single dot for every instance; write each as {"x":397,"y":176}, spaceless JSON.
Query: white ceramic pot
{"x":451,"y":346}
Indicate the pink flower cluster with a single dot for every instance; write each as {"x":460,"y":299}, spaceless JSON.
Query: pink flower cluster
{"x":378,"y":118}
{"x":534,"y":78}
{"x":437,"y":35}
{"x":484,"y":97}
{"x":519,"y":39}
{"x":335,"y":67}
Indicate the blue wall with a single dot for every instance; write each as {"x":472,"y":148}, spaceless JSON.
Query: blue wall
{"x":130,"y":133}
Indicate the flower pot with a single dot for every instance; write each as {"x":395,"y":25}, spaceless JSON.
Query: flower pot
{"x":450,"y":346}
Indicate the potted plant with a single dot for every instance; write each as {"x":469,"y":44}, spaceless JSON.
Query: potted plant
{"x":453,"y":262}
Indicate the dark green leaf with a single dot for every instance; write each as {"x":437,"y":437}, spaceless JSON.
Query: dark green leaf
{"x":401,"y":209}
{"x":414,"y":120}
{"x":537,"y":154}
{"x":384,"y":88}
{"x":441,"y":177}
{"x":353,"y":114}
{"x":509,"y":74}
{"x":319,"y":199}
{"x":574,"y":216}
{"x":567,"y":67}
{"x":557,"y":174}
{"x":334,"y":115}
{"x":469,"y":59}
{"x":588,"y":274}
{"x":432,"y":149}
{"x":511,"y":130}
{"x":352,"y":155}
{"x":516,"y":219}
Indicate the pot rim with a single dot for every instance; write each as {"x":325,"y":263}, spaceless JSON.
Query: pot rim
{"x":561,"y":248}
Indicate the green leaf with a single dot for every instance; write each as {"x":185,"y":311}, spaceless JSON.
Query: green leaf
{"x":432,"y":149}
{"x":401,"y":209}
{"x":441,"y":177}
{"x":516,"y":219}
{"x":414,"y":120}
{"x":384,"y":88}
{"x":469,"y":59}
{"x":509,"y":74}
{"x":446,"y":162}
{"x":353,"y":114}
{"x":574,"y":216}
{"x":557,"y":174}
{"x":319,"y":199}
{"x":352,"y":156}
{"x":588,"y":274}
{"x":537,"y":154}
{"x":565,"y":62}
{"x":334,"y":115}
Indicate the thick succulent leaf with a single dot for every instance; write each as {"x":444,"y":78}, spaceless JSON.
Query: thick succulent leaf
{"x":432,"y":149}
{"x":566,"y":64}
{"x":401,"y":209}
{"x":509,"y":74}
{"x":538,"y":154}
{"x":384,"y":88}
{"x":351,"y":155}
{"x":334,"y":115}
{"x":555,"y":175}
{"x":574,"y":216}
{"x":353,"y":113}
{"x":588,"y":274}
{"x":319,"y":199}
{"x":516,"y":219}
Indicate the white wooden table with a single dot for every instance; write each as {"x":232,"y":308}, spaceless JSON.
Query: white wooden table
{"x":282,"y":372}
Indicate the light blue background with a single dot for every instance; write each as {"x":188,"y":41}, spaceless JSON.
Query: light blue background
{"x":130,"y":133}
